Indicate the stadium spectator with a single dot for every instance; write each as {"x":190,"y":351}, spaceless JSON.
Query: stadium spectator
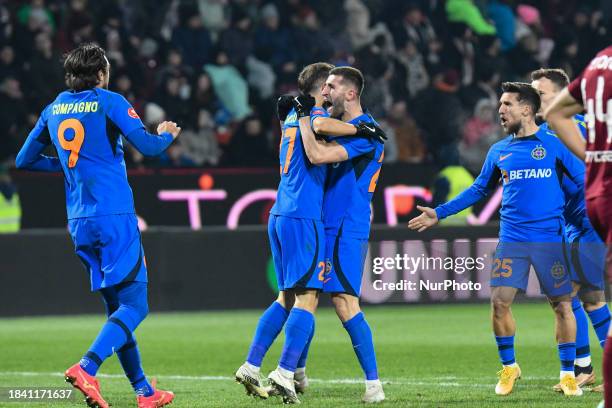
{"x":479,"y":133}
{"x":159,"y":51}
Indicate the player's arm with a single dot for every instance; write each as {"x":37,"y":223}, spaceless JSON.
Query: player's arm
{"x":123,"y":115}
{"x":484,"y":183}
{"x":30,"y":156}
{"x":560,"y":117}
{"x":573,"y":167}
{"x":317,"y":150}
{"x":150,"y":144}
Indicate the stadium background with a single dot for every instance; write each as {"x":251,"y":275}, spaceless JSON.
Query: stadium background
{"x":433,"y":70}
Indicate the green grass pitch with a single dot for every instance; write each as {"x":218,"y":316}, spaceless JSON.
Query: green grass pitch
{"x":429,"y":356}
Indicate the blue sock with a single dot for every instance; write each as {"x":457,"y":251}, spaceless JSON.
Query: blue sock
{"x":297,"y":331}
{"x":270,"y":324}
{"x":600,"y":319}
{"x":129,"y":357}
{"x":304,"y":356}
{"x":582,"y":329}
{"x":361,"y":337}
{"x":505,"y":348}
{"x":567,"y":355}
{"x":118,"y":329}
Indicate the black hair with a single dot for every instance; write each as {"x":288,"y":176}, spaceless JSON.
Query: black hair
{"x":313,"y":76}
{"x":526,"y":94}
{"x":352,"y":75}
{"x":556,"y":75}
{"x":82,"y":66}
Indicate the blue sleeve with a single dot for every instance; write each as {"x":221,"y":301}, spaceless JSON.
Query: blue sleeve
{"x":148,"y":143}
{"x":30,"y":157}
{"x":356,"y":146}
{"x":121,"y":112}
{"x":581,"y":125}
{"x":317,"y":112}
{"x":573,"y":167}
{"x":486,"y":180}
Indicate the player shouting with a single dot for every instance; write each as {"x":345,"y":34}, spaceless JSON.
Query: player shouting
{"x":84,"y":125}
{"x":297,"y":241}
{"x":531,"y":164}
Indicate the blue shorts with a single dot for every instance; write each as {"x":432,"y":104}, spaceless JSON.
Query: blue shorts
{"x":298,"y":251}
{"x":588,"y":258}
{"x":110,"y":248}
{"x":550,"y":260}
{"x":344,"y":260}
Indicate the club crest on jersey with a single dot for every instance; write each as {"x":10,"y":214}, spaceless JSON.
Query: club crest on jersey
{"x":132,"y":113}
{"x":558,"y":270}
{"x":538,"y":153}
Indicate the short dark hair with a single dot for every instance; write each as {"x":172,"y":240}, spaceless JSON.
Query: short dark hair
{"x":82,"y":66}
{"x":313,"y":76}
{"x":352,"y":75}
{"x":556,"y":75}
{"x":526,"y":94}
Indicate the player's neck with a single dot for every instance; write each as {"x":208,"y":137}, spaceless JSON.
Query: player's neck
{"x":527,"y":130}
{"x":352,"y":112}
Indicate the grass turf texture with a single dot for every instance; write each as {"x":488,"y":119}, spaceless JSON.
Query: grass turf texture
{"x":429,"y":356}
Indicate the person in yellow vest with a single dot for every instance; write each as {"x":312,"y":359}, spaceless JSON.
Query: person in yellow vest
{"x":10,"y":208}
{"x":452,"y":180}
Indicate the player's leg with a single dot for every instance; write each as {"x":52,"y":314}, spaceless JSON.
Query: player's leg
{"x":84,"y":241}
{"x":129,"y":354}
{"x":303,"y":273}
{"x":583,"y":369}
{"x":270,"y":323}
{"x":298,"y":328}
{"x":504,"y":329}
{"x":301,"y":380}
{"x":550,"y":259}
{"x":600,"y":215}
{"x":509,"y":274}
{"x":346,"y":258}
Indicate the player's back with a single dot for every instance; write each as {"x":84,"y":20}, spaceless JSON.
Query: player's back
{"x":350,"y":186}
{"x":90,"y":150}
{"x":300,"y":191}
{"x":593,"y":88}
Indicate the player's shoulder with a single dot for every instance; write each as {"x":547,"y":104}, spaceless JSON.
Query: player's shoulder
{"x":501,"y":144}
{"x":291,"y":120}
{"x":107,"y":95}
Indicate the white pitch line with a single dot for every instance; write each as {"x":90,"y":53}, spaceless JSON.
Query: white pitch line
{"x":430,"y":381}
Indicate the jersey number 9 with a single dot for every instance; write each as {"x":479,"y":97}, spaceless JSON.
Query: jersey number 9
{"x":74,"y":145}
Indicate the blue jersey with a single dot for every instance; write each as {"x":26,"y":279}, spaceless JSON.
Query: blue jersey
{"x":85,"y":128}
{"x":531,"y":169}
{"x":576,"y":220}
{"x":350,"y":185}
{"x":300,"y":191}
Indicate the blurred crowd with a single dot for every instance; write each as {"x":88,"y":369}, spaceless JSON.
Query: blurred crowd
{"x":433,"y":68}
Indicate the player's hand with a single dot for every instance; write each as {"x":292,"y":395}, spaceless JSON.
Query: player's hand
{"x":371,"y":131}
{"x":283,"y":105}
{"x":170,"y":127}
{"x":428,"y":218}
{"x":303,"y":104}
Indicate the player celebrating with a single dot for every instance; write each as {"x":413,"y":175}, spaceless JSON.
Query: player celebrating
{"x":587,"y":249}
{"x":346,"y":209}
{"x":83,"y":125}
{"x":297,"y":241}
{"x":530,"y":163}
{"x":592,"y":91}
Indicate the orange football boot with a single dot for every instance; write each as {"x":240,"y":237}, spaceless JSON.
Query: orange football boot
{"x":87,"y":384}
{"x":159,"y":398}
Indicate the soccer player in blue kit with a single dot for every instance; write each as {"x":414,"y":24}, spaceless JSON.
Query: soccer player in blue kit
{"x":587,"y":250}
{"x":84,"y":124}
{"x":531,"y":164}
{"x":297,"y":241}
{"x":354,"y":167}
